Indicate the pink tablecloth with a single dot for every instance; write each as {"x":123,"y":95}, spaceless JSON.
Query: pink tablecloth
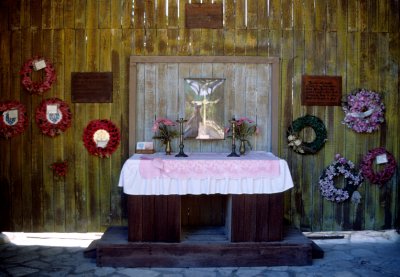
{"x":205,"y":173}
{"x":203,"y":167}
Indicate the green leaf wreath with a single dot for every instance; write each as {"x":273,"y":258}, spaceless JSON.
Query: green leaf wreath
{"x":297,"y":143}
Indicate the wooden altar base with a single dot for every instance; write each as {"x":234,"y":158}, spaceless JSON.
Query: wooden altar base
{"x":113,"y":249}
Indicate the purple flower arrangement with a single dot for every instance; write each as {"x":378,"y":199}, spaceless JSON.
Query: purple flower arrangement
{"x":364,"y":111}
{"x":340,"y":166}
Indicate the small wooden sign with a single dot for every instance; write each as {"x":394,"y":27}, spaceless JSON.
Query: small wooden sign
{"x":91,"y":87}
{"x":321,"y":90}
{"x":203,"y":16}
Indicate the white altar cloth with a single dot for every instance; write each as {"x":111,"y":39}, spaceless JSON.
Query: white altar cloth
{"x":135,"y":181}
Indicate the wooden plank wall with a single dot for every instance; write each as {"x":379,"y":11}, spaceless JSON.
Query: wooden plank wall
{"x":358,"y":40}
{"x":247,"y":93}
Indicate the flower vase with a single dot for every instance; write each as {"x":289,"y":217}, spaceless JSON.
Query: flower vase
{"x":168,"y":147}
{"x":242,"y":148}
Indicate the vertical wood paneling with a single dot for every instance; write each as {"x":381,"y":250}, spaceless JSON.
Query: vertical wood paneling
{"x":37,"y":152}
{"x":15,"y":158}
{"x":80,"y":10}
{"x":69,"y":140}
{"x":68,"y":14}
{"x":105,"y":111}
{"x":104,"y":7}
{"x":160,"y":91}
{"x":358,"y":40}
{"x":5,"y":93}
{"x":140,"y":100}
{"x":92,"y":112}
{"x":48,"y":152}
{"x":59,"y":183}
{"x":161,"y":14}
{"x":126,"y":18}
{"x":274,"y":15}
{"x":81,"y":156}
{"x":120,"y":101}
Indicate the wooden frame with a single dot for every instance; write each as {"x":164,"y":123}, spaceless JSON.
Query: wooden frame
{"x":273,"y":61}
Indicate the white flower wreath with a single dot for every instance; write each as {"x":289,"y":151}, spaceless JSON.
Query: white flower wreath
{"x":340,"y":166}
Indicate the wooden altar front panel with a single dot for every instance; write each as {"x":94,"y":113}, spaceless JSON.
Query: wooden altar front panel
{"x":254,"y":218}
{"x":257,"y":217}
{"x":154,"y":218}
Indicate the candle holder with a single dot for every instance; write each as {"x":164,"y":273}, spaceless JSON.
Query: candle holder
{"x":233,"y":126}
{"x":181,"y":146}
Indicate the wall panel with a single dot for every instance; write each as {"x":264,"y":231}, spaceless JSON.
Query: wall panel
{"x":358,"y":40}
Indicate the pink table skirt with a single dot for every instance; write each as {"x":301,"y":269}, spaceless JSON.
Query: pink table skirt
{"x":205,"y":173}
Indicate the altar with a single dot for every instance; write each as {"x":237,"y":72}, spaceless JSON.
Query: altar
{"x":205,"y":209}
{"x":253,"y":184}
{"x":252,"y":234}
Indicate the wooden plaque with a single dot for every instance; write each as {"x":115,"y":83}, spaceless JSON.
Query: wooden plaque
{"x":203,"y":16}
{"x":321,"y":90}
{"x":91,"y":87}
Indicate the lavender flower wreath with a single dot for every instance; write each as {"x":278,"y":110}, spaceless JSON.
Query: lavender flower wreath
{"x":364,"y":111}
{"x":340,"y":166}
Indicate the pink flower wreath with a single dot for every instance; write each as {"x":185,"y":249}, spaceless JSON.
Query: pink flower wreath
{"x":37,"y":87}
{"x":364,"y":111}
{"x":382,"y":176}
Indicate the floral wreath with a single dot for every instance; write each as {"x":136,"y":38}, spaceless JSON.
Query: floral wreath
{"x":60,"y":168}
{"x":340,"y":166}
{"x":26,"y":71}
{"x":53,"y":116}
{"x":13,"y":119}
{"x":382,"y":176}
{"x":364,"y":111}
{"x":298,"y":144}
{"x":101,"y":137}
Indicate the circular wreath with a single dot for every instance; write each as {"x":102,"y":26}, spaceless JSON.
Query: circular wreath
{"x":364,"y":111}
{"x":53,"y":116}
{"x":101,"y":137}
{"x":12,"y":123}
{"x":382,"y":176}
{"x":301,"y":146}
{"x":353,"y":179}
{"x":37,"y":87}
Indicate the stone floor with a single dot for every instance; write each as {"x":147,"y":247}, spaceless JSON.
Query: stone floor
{"x":364,"y":253}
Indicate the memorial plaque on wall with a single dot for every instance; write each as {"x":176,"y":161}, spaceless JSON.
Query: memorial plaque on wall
{"x":321,"y":90}
{"x":91,"y":87}
{"x":205,"y":15}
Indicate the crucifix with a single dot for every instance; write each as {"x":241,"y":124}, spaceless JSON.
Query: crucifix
{"x":204,"y":87}
{"x":202,"y":125}
{"x":204,"y":104}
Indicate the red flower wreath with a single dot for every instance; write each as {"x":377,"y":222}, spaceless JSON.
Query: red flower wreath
{"x":12,"y":123}
{"x":37,"y":87}
{"x":53,"y":116}
{"x":382,"y":176}
{"x":60,"y":168}
{"x":101,"y":137}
